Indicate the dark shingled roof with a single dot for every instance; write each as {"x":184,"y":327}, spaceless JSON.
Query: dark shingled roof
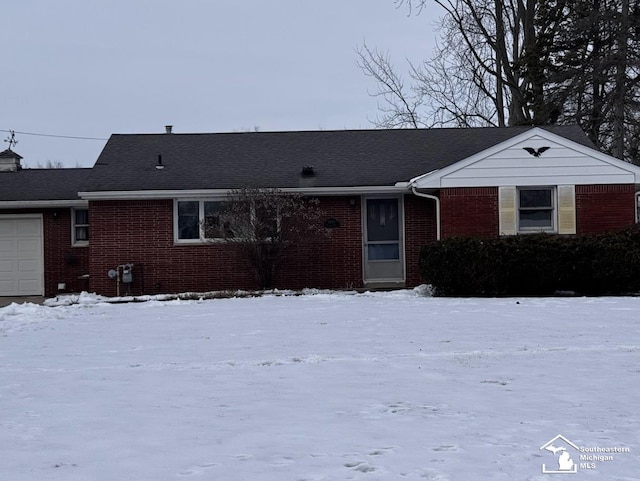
{"x":343,"y":158}
{"x":43,"y":184}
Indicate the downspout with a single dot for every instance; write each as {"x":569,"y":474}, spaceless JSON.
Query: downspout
{"x":637,"y":207}
{"x":437,"y":201}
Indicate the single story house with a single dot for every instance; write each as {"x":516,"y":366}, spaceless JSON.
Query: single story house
{"x":137,"y":212}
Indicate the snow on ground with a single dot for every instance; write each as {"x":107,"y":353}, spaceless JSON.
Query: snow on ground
{"x":324,"y":386}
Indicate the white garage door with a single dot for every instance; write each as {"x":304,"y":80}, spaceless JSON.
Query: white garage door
{"x":21,"y":256}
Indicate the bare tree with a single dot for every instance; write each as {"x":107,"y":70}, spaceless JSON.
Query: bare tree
{"x":478,"y":74}
{"x":52,"y":164}
{"x":266,"y":224}
{"x":520,"y":62}
{"x":400,"y":105}
{"x":49,"y":164}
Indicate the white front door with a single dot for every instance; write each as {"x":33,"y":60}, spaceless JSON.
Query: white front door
{"x":21,"y":255}
{"x":383,"y":229}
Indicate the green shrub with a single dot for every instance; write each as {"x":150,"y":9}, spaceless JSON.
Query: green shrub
{"x":536,"y":264}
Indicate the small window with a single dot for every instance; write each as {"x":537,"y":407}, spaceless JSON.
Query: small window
{"x":80,"y":226}
{"x":188,"y":220}
{"x":536,"y":210}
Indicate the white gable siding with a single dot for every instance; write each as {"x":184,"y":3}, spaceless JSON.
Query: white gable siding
{"x":516,"y":166}
{"x":508,"y":164}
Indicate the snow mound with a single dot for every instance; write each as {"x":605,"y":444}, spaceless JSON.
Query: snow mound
{"x":423,"y":290}
{"x":84,"y":298}
{"x":88,"y":299}
{"x":17,"y":317}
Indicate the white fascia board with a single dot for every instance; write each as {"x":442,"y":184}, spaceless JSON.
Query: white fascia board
{"x":434,"y":179}
{"x":41,"y":204}
{"x":414,"y":181}
{"x":213,"y":193}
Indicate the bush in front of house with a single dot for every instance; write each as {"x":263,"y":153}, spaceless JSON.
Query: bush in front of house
{"x":535,"y":264}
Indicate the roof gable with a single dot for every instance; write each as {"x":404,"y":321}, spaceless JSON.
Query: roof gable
{"x":534,"y":157}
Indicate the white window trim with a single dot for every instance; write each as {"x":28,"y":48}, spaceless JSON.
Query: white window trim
{"x":74,"y":242}
{"x":554,"y":210}
{"x":201,"y":238}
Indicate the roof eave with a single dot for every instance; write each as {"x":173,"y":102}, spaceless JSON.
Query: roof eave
{"x":41,"y":204}
{"x":208,"y":193}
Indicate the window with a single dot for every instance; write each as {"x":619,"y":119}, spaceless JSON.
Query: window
{"x":383,"y":230}
{"x":213,"y":226}
{"x":188,"y":220}
{"x":197,"y":220}
{"x":265,"y":220}
{"x":80,"y":226}
{"x":536,"y":209}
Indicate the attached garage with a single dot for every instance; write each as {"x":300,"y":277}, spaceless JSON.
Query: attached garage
{"x":21,"y":255}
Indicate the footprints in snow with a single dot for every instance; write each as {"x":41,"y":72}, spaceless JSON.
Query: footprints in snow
{"x":402,"y":408}
{"x":364,"y":466}
{"x":197,"y":469}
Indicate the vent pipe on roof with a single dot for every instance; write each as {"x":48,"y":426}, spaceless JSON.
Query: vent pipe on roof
{"x":308,"y":171}
{"x":159,"y":165}
{"x":168,"y":129}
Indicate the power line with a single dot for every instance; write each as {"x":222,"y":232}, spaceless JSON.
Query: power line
{"x":53,"y":135}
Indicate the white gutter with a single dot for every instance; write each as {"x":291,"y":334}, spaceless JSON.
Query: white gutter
{"x":437,"y":201}
{"x":209,"y":193}
{"x":40,"y":204}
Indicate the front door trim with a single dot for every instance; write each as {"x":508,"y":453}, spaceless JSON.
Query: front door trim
{"x":384,"y":281}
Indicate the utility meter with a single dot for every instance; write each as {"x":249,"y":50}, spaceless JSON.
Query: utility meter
{"x":127,"y":274}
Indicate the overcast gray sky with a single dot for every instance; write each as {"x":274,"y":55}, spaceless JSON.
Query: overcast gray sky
{"x":90,"y":68}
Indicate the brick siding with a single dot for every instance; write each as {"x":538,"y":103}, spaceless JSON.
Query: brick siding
{"x":469,"y":211}
{"x":420,"y":229}
{"x":141,"y":233}
{"x":603,"y":208}
{"x":474,"y":211}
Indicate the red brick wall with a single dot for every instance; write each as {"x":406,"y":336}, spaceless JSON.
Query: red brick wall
{"x":420,"y":229}
{"x":602,"y":208}
{"x":333,"y":262}
{"x":141,"y":232}
{"x":474,"y":211}
{"x":469,"y":211}
{"x":63,"y":263}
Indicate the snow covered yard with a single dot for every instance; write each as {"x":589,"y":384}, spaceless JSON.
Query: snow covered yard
{"x":385,"y":386}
